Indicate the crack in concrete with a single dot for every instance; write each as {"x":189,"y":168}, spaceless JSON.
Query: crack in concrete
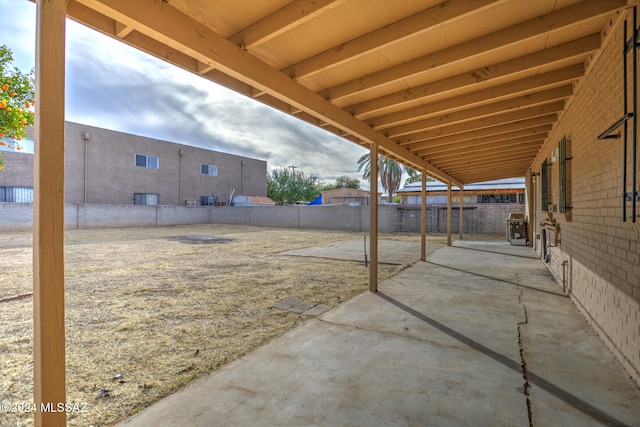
{"x":391,"y":333}
{"x":523,"y":363}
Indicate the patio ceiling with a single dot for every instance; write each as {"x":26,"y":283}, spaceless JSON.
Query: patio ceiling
{"x":467,"y":90}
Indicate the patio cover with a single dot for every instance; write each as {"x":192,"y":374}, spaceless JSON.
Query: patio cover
{"x":453,"y":89}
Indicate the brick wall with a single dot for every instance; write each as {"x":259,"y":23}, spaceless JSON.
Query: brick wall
{"x":597,"y":253}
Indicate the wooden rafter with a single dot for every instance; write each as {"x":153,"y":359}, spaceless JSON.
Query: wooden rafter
{"x":396,"y":32}
{"x":539,"y":25}
{"x":487,"y":134}
{"x":523,"y":86}
{"x":523,"y":101}
{"x":577,"y":48}
{"x":292,"y":15}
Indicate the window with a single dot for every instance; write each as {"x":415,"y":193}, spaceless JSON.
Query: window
{"x":209,"y":170}
{"x":145,"y":199}
{"x":498,"y":198}
{"x":565,"y":175}
{"x":544,"y":178}
{"x":147,"y":161}
{"x":16,"y":194}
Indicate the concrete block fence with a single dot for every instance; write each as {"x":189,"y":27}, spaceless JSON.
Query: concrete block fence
{"x":477,"y":219}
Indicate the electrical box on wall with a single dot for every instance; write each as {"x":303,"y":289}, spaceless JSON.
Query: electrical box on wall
{"x":554,"y":155}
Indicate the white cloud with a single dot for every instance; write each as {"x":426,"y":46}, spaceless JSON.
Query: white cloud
{"x":114,"y":86}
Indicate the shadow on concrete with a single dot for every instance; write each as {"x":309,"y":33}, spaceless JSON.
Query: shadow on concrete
{"x":499,"y":279}
{"x":562,"y":394}
{"x":462,"y":246}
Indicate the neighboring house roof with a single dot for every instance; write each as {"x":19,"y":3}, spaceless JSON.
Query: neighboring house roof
{"x":499,"y":184}
{"x":346,"y":191}
{"x":252,"y":201}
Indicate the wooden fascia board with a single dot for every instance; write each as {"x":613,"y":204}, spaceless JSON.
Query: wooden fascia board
{"x":577,"y":48}
{"x":526,"y":85}
{"x":396,"y":32}
{"x":549,"y":22}
{"x":524,"y":101}
{"x":170,"y":27}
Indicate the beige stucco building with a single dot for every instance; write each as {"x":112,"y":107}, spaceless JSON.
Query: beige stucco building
{"x":107,"y":167}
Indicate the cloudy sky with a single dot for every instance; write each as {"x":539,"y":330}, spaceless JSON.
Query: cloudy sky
{"x":117,"y":87}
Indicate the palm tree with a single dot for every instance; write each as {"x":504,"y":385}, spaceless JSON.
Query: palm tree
{"x":414,"y":176}
{"x":389,"y":171}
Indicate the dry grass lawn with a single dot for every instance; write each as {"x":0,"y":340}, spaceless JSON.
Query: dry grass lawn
{"x":148,"y":311}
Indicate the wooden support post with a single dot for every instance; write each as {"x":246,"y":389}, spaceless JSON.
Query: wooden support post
{"x":449,"y":213}
{"x":48,"y":216}
{"x":461,"y":211}
{"x":423,"y":217}
{"x":373,"y":220}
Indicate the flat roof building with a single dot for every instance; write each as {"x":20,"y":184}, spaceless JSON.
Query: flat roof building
{"x":108,"y":167}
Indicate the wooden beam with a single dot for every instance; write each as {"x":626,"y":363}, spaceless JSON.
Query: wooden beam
{"x":423,"y":217}
{"x":549,"y":22}
{"x":106,"y":25}
{"x":527,"y":85}
{"x":48,"y":215}
{"x":203,"y":68}
{"x":373,"y":219}
{"x":122,"y":30}
{"x":449,"y":209}
{"x":292,"y":15}
{"x":398,"y":32}
{"x":460,"y":135}
{"x":482,"y":111}
{"x":461,"y":196}
{"x":577,"y":49}
{"x":495,"y":133}
{"x":179,"y":31}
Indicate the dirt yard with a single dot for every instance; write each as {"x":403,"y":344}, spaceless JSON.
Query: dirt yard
{"x":148,"y":310}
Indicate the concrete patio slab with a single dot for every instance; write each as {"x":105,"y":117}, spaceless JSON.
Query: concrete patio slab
{"x":389,"y":251}
{"x":477,"y":335}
